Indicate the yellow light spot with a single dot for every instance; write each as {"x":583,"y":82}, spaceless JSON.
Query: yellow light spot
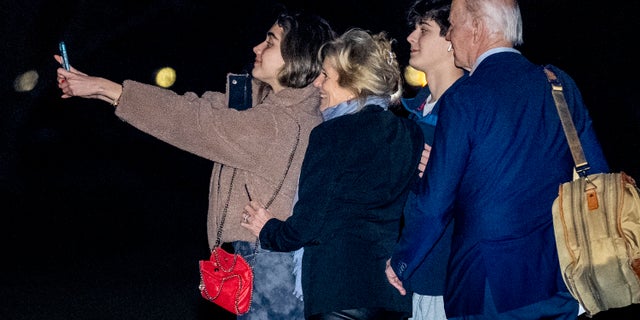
{"x":26,"y":81}
{"x":415,"y":77}
{"x":166,"y":77}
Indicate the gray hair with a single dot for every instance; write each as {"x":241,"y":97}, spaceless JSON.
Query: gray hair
{"x":501,"y":16}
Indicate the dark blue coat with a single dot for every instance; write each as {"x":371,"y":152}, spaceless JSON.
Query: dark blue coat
{"x":354,"y":183}
{"x":429,"y":277}
{"x":498,"y":158}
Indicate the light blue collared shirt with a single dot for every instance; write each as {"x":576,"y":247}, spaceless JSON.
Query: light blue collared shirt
{"x":490,"y":52}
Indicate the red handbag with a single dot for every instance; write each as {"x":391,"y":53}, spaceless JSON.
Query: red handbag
{"x":226,"y":279}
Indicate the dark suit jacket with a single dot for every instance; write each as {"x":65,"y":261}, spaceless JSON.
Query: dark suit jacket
{"x":429,"y":277}
{"x":353,"y":185}
{"x":498,"y":158}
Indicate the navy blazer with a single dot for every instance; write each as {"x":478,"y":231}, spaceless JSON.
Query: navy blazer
{"x":498,"y":157}
{"x":429,"y":277}
{"x":354,"y":182}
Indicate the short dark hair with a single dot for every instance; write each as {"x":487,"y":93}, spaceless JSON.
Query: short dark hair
{"x":436,"y":10}
{"x":304,"y":34}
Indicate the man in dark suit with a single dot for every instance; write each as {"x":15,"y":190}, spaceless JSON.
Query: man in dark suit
{"x":497,"y":160}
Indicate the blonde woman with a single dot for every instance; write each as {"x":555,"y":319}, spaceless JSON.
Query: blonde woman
{"x":354,"y":182}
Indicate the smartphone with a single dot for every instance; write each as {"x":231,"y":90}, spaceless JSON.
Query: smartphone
{"x":239,"y":91}
{"x":65,"y":57}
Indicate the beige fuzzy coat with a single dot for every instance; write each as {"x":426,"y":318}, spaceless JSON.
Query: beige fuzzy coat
{"x":255,"y":143}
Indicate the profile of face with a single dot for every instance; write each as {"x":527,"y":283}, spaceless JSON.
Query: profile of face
{"x":428,"y":48}
{"x":461,"y":35}
{"x":269,"y":59}
{"x":331,"y":93}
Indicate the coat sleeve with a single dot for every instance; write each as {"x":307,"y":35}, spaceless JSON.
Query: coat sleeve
{"x":205,"y":125}
{"x":428,"y":212}
{"x":306,"y":225}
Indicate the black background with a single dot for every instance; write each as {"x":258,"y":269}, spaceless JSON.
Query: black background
{"x":100,"y":221}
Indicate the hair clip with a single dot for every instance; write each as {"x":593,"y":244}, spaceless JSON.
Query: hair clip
{"x":390,"y":57}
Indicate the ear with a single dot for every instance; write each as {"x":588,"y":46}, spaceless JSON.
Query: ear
{"x":478,"y":28}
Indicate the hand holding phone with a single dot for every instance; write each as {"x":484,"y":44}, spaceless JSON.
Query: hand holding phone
{"x":65,"y":57}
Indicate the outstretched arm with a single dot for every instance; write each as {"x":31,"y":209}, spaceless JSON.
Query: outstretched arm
{"x":74,"y":83}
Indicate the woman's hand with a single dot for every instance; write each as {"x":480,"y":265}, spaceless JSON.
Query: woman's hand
{"x":255,"y":216}
{"x":74,"y":83}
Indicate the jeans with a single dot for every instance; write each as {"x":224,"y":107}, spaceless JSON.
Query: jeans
{"x":273,"y":284}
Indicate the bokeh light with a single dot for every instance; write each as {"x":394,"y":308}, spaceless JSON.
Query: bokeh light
{"x":26,"y":81}
{"x":166,"y":77}
{"x":415,"y":77}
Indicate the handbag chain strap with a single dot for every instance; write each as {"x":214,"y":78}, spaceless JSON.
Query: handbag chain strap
{"x":581,"y":164}
{"x":273,"y":197}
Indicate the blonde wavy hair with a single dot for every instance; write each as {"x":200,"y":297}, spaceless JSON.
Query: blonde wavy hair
{"x":365,"y":63}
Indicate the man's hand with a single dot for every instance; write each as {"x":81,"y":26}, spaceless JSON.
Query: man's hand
{"x":393,"y":278}
{"x":424,"y":159}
